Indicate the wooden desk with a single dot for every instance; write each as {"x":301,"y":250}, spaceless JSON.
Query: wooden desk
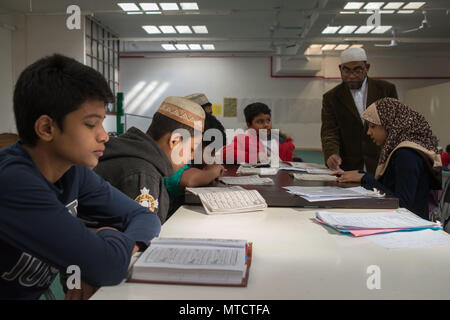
{"x":297,"y":258}
{"x":276,"y":196}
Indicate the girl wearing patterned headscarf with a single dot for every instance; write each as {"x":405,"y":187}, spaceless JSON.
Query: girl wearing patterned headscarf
{"x":409,"y":166}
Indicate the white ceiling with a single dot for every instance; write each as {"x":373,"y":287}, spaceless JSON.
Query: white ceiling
{"x":254,"y":27}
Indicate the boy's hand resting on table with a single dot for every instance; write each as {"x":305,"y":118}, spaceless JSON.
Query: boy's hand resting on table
{"x":217,"y":170}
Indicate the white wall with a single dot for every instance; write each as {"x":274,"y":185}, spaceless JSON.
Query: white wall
{"x":33,"y":38}
{"x":434,"y":103}
{"x":295,"y":102}
{"x":6,"y":78}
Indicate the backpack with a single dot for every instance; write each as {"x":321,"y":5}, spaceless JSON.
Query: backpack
{"x":442,"y":212}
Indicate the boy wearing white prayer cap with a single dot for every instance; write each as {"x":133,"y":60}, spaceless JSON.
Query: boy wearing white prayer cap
{"x":345,"y":143}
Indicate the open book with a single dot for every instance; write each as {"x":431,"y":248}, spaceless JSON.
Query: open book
{"x":194,"y":261}
{"x":235,"y":199}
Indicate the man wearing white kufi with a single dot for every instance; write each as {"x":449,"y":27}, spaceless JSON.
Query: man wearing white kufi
{"x":345,"y":143}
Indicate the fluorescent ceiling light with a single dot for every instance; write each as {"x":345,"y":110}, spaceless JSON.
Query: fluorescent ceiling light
{"x":381,"y":29}
{"x":366,"y":12}
{"x":182,"y":47}
{"x":394,"y":5}
{"x":167,"y":29}
{"x":353,"y":5}
{"x":373,"y":5}
{"x":387,"y":11}
{"x":414,"y":5}
{"x":330,"y":30}
{"x":356,"y":46}
{"x":364,"y":29}
{"x":328,"y":47}
{"x":169,"y":6}
{"x":151,"y":29}
{"x":341,"y":47}
{"x":153,"y":12}
{"x":195,"y":47}
{"x":128,"y":6}
{"x":134,"y":12}
{"x":315,"y":46}
{"x":189,"y":5}
{"x":168,"y":47}
{"x":347,"y":29}
{"x":347,"y":12}
{"x":208,"y":47}
{"x":405,"y":11}
{"x":149,"y":6}
{"x":200,"y":29}
{"x":183,"y":29}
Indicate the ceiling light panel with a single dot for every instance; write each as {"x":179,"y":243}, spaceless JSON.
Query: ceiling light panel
{"x":381,"y":29}
{"x":167,"y":29}
{"x":413,"y":5}
{"x":364,"y":29}
{"x":330,"y":30}
{"x":169,"y":47}
{"x":195,"y":47}
{"x":341,"y":47}
{"x":149,"y":6}
{"x":153,"y":12}
{"x":189,"y":5}
{"x":208,"y":47}
{"x":169,"y":6}
{"x":356,"y":46}
{"x":353,"y":5}
{"x":151,"y":29}
{"x":373,"y":5}
{"x":393,"y":5}
{"x":182,"y":47}
{"x":200,"y":29}
{"x":347,"y":29}
{"x":128,"y":6}
{"x":328,"y":47}
{"x":183,"y":29}
{"x":134,"y":12}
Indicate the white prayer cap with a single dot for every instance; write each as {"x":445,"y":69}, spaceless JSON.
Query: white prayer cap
{"x":182,"y":110}
{"x":353,"y":54}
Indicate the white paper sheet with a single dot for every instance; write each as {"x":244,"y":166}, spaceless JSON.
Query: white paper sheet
{"x":247,"y":180}
{"x":411,"y":239}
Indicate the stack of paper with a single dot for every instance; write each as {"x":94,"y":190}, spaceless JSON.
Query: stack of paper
{"x":314,"y":194}
{"x":306,"y":165}
{"x":271,"y":171}
{"x":247,"y":180}
{"x":229,"y":200}
{"x":314,"y":177}
{"x":368,"y":223}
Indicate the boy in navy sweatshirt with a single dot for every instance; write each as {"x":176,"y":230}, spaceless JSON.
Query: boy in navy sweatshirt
{"x":48,"y":191}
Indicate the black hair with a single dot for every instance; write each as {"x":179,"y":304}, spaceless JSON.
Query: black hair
{"x":254,"y":109}
{"x":211,"y":122}
{"x":447,"y":148}
{"x":208,"y":104}
{"x":55,"y":86}
{"x":162,"y":125}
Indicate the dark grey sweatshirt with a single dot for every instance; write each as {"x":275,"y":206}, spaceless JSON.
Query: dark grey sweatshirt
{"x":135,"y":165}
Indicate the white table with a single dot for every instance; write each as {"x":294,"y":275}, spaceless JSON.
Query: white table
{"x":297,"y":258}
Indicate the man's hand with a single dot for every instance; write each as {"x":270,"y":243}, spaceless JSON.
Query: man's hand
{"x":348,"y":176}
{"x":334,"y":162}
{"x":84,"y":293}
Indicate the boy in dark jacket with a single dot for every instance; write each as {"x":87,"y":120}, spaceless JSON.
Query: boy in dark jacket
{"x":136,"y":162}
{"x":46,"y":187}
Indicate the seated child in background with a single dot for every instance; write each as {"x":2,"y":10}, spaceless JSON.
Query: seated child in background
{"x":445,"y":158}
{"x":47,"y":187}
{"x":196,"y":175}
{"x":251,"y":147}
{"x":409,"y":166}
{"x":136,"y":162}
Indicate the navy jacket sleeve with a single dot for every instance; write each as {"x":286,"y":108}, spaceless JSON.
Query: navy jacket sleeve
{"x":405,"y":172}
{"x":97,"y":197}
{"x":33,"y":219}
